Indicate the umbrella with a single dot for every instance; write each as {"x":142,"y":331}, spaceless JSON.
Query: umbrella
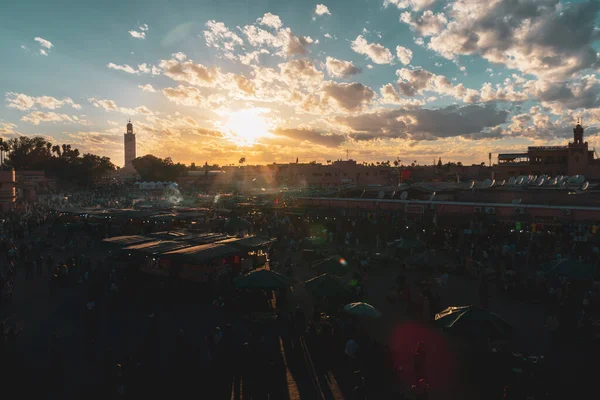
{"x":327,"y":286}
{"x":362,"y":310}
{"x":263,"y":279}
{"x":333,"y":265}
{"x":471,"y":320}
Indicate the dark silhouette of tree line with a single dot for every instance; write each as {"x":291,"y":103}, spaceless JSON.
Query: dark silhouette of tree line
{"x":62,"y":162}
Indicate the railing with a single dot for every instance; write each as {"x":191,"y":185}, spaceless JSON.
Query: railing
{"x":546,"y":148}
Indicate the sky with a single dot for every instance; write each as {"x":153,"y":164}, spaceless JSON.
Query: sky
{"x":272,"y":81}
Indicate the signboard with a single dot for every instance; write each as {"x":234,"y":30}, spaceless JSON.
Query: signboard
{"x":414,"y":208}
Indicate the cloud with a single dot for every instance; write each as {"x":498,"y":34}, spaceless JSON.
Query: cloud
{"x":220,"y":37}
{"x":311,"y":135}
{"x":270,"y":20}
{"x":428,"y":24}
{"x":35,"y":117}
{"x":91,"y":140}
{"x":322,"y":9}
{"x":124,"y":68}
{"x":340,"y":68}
{"x":374,"y":51}
{"x":501,"y":93}
{"x":389,"y":95}
{"x":23,"y":102}
{"x":582,"y":92}
{"x":8,"y":129}
{"x":186,"y":96}
{"x":348,"y":96}
{"x":415,"y":81}
{"x":191,"y":73}
{"x":404,"y":54}
{"x":141,"y":33}
{"x":414,"y":4}
{"x":147,"y":88}
{"x":424,"y":124}
{"x":43,"y":42}
{"x":295,"y":45}
{"x":287,"y":43}
{"x":300,"y":74}
{"x":252,"y":57}
{"x":111,"y":106}
{"x":43,"y":52}
{"x":531,"y":35}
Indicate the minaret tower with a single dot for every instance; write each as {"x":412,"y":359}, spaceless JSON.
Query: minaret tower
{"x":129,"y":146}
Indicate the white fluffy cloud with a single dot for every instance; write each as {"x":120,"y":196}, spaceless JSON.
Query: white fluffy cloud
{"x":428,"y":24}
{"x":43,"y":42}
{"x":191,"y":73}
{"x":147,"y":88}
{"x":23,"y":102}
{"x":142,"y":68}
{"x":284,"y":40}
{"x":376,"y":52}
{"x":140,"y":33}
{"x":36,"y":117}
{"x":186,"y":96}
{"x":111,"y":106}
{"x":404,"y":54}
{"x":340,"y":68}
{"x":322,"y":9}
{"x":219,"y":36}
{"x":549,"y":39}
{"x":270,"y":20}
{"x":414,"y":4}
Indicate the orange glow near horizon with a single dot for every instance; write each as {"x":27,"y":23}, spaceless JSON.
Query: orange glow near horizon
{"x":245,"y":127}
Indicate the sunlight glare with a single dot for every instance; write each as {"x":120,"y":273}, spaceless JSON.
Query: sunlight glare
{"x":246,"y":126}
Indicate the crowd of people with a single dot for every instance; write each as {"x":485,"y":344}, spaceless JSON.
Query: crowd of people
{"x":506,"y":259}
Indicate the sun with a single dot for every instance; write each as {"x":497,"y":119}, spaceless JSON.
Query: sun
{"x":245,"y":127}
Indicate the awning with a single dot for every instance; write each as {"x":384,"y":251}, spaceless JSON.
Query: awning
{"x":157,"y":247}
{"x":124,"y":241}
{"x":202,"y":254}
{"x":248,"y":243}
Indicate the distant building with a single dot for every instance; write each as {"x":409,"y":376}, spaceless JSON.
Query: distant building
{"x":31,"y":184}
{"x":129,"y":141}
{"x":128,"y":172}
{"x":574,"y":159}
{"x":8,"y":190}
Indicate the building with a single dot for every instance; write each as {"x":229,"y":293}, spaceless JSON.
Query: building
{"x":339,"y":173}
{"x":8,"y":190}
{"x":576,"y":158}
{"x":128,"y":172}
{"x":31,"y":184}
{"x":129,"y":141}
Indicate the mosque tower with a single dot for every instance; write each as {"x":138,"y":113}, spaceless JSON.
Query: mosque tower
{"x":129,"y":146}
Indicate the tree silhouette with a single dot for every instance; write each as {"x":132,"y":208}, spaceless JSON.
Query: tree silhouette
{"x":242,"y":160}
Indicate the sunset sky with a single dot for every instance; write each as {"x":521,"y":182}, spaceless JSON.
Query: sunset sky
{"x":274,"y":80}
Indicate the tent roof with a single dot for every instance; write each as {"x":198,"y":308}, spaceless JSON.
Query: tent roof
{"x":130,"y":240}
{"x":263,"y":279}
{"x":157,"y":246}
{"x":248,"y":243}
{"x":202,"y":253}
